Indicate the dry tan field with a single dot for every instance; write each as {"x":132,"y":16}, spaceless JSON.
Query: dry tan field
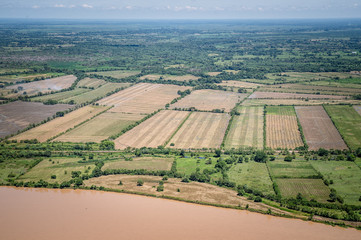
{"x":142,"y":98}
{"x":16,"y":116}
{"x":60,"y":124}
{"x":48,"y":85}
{"x":169,"y":77}
{"x":91,"y":82}
{"x":279,"y":95}
{"x":277,"y":102}
{"x":208,"y":100}
{"x":239,"y":84}
{"x":282,"y":128}
{"x":153,"y":132}
{"x":213,"y":73}
{"x":100,"y":127}
{"x":246,"y":129}
{"x":318,"y":128}
{"x":193,"y":191}
{"x":201,"y":130}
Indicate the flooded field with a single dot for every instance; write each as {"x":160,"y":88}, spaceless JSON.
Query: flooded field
{"x":78,"y":214}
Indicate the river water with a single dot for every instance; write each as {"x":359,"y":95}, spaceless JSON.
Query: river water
{"x":27,"y":213}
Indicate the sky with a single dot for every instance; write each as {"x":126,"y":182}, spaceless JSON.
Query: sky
{"x":180,"y":9}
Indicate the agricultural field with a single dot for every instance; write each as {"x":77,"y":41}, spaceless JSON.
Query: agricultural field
{"x":182,"y":78}
{"x":281,"y":95}
{"x":311,"y":89}
{"x":44,"y":86}
{"x":17,"y":78}
{"x":298,"y":168}
{"x":91,"y":83}
{"x":100,"y":127}
{"x":142,"y":98}
{"x":60,"y":96}
{"x":189,"y":165}
{"x":246,"y":129}
{"x":116,"y":74}
{"x":148,"y":163}
{"x":346,"y":177}
{"x":239,"y":84}
{"x":60,"y":124}
{"x":60,"y":167}
{"x":153,"y":132}
{"x":302,"y":102}
{"x":18,"y":115}
{"x":13,"y":168}
{"x":254,"y":175}
{"x":282,"y":128}
{"x":208,"y":100}
{"x":308,"y":188}
{"x":348,"y":123}
{"x":358,"y":109}
{"x":96,"y":93}
{"x":201,"y":130}
{"x":318,"y":128}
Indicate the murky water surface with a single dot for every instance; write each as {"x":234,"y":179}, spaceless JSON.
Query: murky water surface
{"x":76,"y":214}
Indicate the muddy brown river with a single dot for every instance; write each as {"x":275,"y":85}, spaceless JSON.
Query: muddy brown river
{"x":78,"y":214}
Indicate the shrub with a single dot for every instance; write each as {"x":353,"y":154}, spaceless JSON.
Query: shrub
{"x":140,"y":182}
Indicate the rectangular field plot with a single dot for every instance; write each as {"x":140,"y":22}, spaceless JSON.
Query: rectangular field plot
{"x":14,"y":167}
{"x":48,"y":85}
{"x":348,"y":122}
{"x":61,"y":95}
{"x":148,"y":163}
{"x":116,"y":74}
{"x":182,"y":78}
{"x":282,"y":128}
{"x":308,"y":188}
{"x":318,"y":128}
{"x":100,"y":128}
{"x":60,"y":124}
{"x":201,"y":130}
{"x":346,"y":178}
{"x":280,"y":95}
{"x":208,"y":100}
{"x":295,"y":169}
{"x":91,"y":83}
{"x":246,"y":129}
{"x":303,"y":102}
{"x":153,"y":132}
{"x":187,"y":166}
{"x":239,"y":84}
{"x":60,"y":167}
{"x":16,"y":116}
{"x":252,"y":174}
{"x":142,"y":98}
{"x":96,"y":93}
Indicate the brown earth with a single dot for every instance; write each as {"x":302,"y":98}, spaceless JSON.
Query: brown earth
{"x":16,"y":116}
{"x":318,"y":128}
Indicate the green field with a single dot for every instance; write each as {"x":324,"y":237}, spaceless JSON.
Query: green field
{"x":308,"y":188}
{"x":95,"y":94}
{"x":14,"y":167}
{"x":61,"y":167}
{"x":148,"y":163}
{"x":116,"y":74}
{"x":295,"y":169}
{"x":348,"y":123}
{"x":281,"y":110}
{"x":254,"y":175}
{"x":187,"y":166}
{"x":346,"y":177}
{"x":60,"y":96}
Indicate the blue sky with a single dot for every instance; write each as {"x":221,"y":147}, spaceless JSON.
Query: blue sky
{"x":181,"y":9}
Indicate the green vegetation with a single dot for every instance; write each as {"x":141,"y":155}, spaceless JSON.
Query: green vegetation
{"x":298,"y":168}
{"x":347,"y":122}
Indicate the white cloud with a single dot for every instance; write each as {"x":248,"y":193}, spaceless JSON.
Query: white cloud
{"x":190,"y":8}
{"x":129,"y":7}
{"x":59,"y":6}
{"x":72,"y":6}
{"x":86,"y":6}
{"x":35,"y":7}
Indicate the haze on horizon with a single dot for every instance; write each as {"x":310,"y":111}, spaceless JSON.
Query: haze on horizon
{"x":186,"y":9}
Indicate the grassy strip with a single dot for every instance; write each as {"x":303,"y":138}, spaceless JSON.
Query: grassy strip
{"x":334,"y":124}
{"x":179,"y":127}
{"x":300,"y":129}
{"x":58,"y":135}
{"x":264,"y":126}
{"x":227,"y":131}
